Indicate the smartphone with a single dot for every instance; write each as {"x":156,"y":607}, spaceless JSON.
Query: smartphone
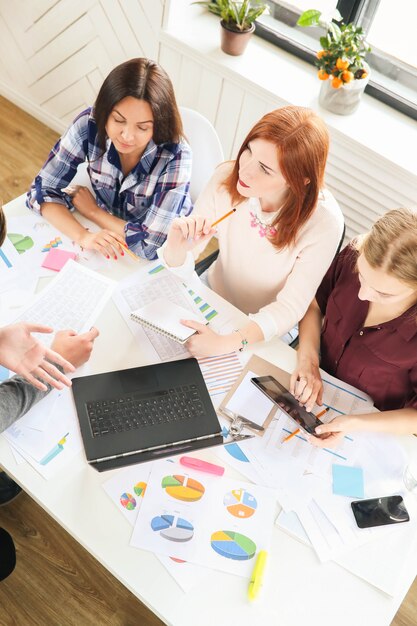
{"x":380,"y":511}
{"x":287,"y":403}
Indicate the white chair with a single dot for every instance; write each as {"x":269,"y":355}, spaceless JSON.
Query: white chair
{"x":206,"y":147}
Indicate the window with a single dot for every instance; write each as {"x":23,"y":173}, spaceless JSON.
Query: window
{"x":390,"y":29}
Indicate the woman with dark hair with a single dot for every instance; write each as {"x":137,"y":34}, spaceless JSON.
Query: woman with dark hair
{"x":138,"y":163}
{"x":279,"y":242}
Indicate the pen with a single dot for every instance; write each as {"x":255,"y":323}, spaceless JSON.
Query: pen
{"x":257,"y":575}
{"x":323,"y":412}
{"x":223,"y":217}
{"x":203,"y":466}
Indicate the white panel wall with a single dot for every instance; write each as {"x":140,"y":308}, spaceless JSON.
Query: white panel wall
{"x":54,"y":55}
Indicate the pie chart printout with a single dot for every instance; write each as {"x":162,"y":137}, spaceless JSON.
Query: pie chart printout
{"x":140,"y":489}
{"x":240,"y":503}
{"x":173,"y":528}
{"x":128,"y":501}
{"x":21,"y":242}
{"x":183,"y":488}
{"x":233,"y":545}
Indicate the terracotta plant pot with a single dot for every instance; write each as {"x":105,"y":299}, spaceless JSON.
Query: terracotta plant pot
{"x":234,"y":42}
{"x":344,"y":100}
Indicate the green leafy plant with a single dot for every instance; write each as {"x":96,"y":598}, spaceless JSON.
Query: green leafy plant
{"x":343,"y":50}
{"x":238,"y":16}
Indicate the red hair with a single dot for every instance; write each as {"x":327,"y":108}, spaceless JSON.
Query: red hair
{"x":302,"y":143}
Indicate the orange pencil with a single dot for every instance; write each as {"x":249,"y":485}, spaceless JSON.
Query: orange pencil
{"x":130,"y":253}
{"x":291,"y":435}
{"x":223,"y":218}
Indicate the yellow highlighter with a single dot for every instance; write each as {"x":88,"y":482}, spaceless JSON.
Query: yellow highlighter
{"x":257,"y":575}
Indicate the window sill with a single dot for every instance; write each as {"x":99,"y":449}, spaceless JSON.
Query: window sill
{"x":272,"y":73}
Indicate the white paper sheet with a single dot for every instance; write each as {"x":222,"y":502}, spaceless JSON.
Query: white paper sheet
{"x":127,"y":489}
{"x":144,"y":287}
{"x":34,"y":237}
{"x":74,"y":299}
{"x":211,"y":521}
{"x":186,"y":575}
{"x":250,"y":402}
{"x":50,"y":450}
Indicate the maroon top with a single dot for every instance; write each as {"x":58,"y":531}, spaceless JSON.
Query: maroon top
{"x":380,"y":360}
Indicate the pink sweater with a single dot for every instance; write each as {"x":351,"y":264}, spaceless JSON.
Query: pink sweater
{"x":274,"y":287}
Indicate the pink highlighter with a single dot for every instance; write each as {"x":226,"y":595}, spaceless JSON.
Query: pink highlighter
{"x":202,"y":466}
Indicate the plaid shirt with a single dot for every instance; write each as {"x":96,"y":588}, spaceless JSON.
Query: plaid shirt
{"x":148,"y":198}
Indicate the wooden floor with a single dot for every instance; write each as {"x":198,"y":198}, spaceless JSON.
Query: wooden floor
{"x":56,"y":582}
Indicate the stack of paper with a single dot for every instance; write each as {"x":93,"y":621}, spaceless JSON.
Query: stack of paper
{"x":48,"y":435}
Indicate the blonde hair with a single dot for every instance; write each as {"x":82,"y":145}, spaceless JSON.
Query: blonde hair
{"x":391,"y":245}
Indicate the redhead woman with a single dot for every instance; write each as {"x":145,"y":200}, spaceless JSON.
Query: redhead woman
{"x":277,"y":245}
{"x":362,"y":328}
{"x":139,"y":165}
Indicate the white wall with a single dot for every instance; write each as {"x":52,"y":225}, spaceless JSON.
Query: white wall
{"x":54,"y":56}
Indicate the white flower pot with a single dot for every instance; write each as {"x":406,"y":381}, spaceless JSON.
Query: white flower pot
{"x":344,"y":100}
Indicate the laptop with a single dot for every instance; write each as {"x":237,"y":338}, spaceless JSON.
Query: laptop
{"x":144,"y":413}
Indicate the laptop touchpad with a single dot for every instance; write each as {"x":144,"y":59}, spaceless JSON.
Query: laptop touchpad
{"x":138,"y":379}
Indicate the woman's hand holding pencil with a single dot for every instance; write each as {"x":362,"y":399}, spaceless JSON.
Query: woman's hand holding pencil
{"x":187,"y":232}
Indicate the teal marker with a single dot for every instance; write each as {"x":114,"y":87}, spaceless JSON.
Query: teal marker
{"x":55,"y":451}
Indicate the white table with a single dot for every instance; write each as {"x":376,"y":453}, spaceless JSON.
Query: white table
{"x":297,"y":589}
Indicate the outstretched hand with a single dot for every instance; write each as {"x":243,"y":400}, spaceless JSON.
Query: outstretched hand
{"x":27,"y":356}
{"x":75,"y":348}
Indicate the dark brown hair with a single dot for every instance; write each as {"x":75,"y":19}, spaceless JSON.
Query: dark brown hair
{"x":302,"y":143}
{"x":3,"y":226}
{"x":145,"y":80}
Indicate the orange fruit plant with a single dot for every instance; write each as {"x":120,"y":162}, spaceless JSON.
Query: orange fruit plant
{"x":337,"y":82}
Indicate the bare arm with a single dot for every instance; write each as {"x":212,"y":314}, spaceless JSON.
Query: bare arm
{"x":306,"y":383}
{"x":399,"y":422}
{"x":106,"y":241}
{"x":85,"y":203}
{"x":59,"y":216}
{"x":206,"y":342}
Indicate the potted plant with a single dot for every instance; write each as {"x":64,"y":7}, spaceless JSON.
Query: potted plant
{"x":236,"y":21}
{"x":341,"y":61}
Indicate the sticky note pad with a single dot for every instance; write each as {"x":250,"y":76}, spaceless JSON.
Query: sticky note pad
{"x":348,"y":481}
{"x":56,"y":259}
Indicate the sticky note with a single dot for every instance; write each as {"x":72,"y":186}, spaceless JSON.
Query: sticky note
{"x":56,"y":259}
{"x":348,"y":481}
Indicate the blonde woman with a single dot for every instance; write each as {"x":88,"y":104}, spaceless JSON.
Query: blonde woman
{"x":362,"y":328}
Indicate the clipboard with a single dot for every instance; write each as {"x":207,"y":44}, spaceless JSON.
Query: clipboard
{"x":259,"y":367}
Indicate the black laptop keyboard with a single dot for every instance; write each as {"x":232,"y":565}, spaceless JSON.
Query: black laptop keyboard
{"x":139,"y":410}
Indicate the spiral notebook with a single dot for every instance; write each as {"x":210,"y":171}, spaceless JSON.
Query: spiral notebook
{"x":164,"y":316}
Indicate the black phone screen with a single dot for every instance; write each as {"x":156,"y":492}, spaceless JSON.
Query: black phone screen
{"x":286,"y":401}
{"x":380,"y":511}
